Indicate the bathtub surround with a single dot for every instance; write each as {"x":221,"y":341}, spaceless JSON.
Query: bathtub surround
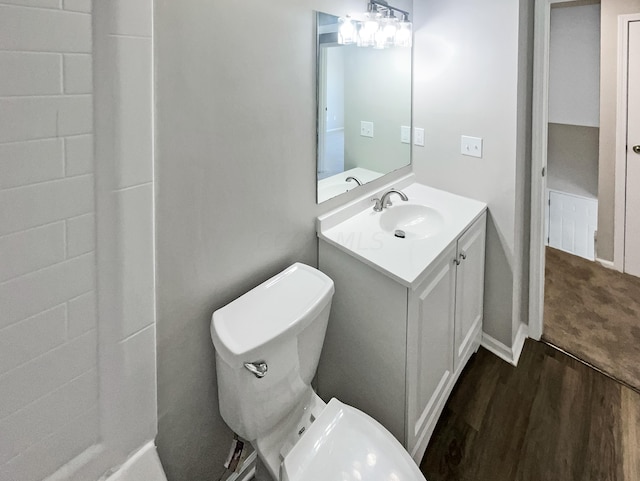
{"x":472,"y":77}
{"x":77,"y":333}
{"x":49,"y":410}
{"x":124,"y":166}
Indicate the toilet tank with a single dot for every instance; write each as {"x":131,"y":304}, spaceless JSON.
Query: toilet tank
{"x":282,"y":323}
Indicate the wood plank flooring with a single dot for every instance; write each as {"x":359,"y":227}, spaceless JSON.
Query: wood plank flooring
{"x":550,"y":419}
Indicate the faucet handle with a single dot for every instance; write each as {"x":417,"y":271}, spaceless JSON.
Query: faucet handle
{"x":378,"y":204}
{"x":258,"y":369}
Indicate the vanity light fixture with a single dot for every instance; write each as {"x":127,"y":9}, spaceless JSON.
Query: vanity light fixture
{"x":347,"y":31}
{"x":380,"y":28}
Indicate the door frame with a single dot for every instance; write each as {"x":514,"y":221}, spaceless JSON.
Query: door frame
{"x":540,"y":132}
{"x":539,"y":136}
{"x":620,"y":189}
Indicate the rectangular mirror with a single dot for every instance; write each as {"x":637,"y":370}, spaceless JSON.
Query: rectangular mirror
{"x":364,"y":111}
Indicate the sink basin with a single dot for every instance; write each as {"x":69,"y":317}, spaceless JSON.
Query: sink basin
{"x":431,"y":219}
{"x":416,"y":221}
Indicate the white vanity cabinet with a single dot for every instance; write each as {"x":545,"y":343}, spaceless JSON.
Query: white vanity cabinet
{"x":469,"y":291}
{"x":444,"y":328}
{"x":396,"y":351}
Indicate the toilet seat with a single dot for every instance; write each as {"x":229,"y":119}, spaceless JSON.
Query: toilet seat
{"x":345,"y":444}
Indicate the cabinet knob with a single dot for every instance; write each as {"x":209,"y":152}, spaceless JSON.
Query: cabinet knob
{"x":463,"y":255}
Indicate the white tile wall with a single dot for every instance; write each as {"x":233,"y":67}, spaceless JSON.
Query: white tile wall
{"x":77,"y":74}
{"x":81,"y":235}
{"x":48,"y":323}
{"x":31,"y":250}
{"x":134,"y":361}
{"x":31,"y":73}
{"x":48,"y":414}
{"x":134,"y":135}
{"x":132,"y":17}
{"x":78,"y":5}
{"x":37,"y":378}
{"x":27,"y":118}
{"x":31,"y":337}
{"x":24,"y":163}
{"x":124,"y":171}
{"x":79,"y":154}
{"x":44,"y":30}
{"x":34,"y":3}
{"x":68,"y":442}
{"x":133,"y":207}
{"x":81,"y":314}
{"x":39,"y":204}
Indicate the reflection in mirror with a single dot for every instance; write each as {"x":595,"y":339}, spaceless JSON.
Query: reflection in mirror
{"x":364,"y":111}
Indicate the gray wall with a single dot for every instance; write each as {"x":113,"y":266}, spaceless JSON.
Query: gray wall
{"x":574,"y":65}
{"x":377,"y":89}
{"x":471,"y":62}
{"x":572,"y":159}
{"x":236,"y":173}
{"x":609,"y":11}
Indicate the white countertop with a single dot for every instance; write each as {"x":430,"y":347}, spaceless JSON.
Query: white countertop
{"x":355,"y":229}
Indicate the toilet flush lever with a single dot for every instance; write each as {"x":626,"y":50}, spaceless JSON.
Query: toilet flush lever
{"x":258,"y":368}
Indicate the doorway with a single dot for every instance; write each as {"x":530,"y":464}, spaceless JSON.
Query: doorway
{"x":585,"y":309}
{"x":573,"y":128}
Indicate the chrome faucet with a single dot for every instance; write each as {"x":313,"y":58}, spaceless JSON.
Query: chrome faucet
{"x":384,"y":200}
{"x":351,"y":177}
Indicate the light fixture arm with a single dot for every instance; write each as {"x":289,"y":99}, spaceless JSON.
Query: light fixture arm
{"x":383,"y":5}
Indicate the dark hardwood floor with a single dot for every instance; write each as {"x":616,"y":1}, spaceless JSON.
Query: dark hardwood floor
{"x":550,"y":419}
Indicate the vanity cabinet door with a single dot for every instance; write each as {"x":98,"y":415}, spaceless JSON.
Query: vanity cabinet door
{"x":469,"y":291}
{"x":430,"y":350}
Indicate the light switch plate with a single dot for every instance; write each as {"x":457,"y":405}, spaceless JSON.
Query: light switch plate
{"x":471,"y":146}
{"x":418,"y":136}
{"x":405,"y":134}
{"x":366,"y":129}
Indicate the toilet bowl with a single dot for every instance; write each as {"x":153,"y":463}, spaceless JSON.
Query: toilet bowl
{"x":268,"y":345}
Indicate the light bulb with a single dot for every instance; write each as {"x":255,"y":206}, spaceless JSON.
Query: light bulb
{"x":347,"y":31}
{"x":379,"y":38}
{"x":390,"y":32}
{"x":389,"y":29}
{"x":368,"y":29}
{"x":404,"y":35}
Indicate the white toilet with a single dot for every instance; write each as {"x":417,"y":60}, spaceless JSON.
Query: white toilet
{"x":268,"y":345}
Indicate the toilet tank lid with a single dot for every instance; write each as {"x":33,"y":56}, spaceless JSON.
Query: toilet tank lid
{"x":282,"y":305}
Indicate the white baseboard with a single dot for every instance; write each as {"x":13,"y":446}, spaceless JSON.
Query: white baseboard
{"x":518,"y":343}
{"x":504,"y":352}
{"x":606,"y":263}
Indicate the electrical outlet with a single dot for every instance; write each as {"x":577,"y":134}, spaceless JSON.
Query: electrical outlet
{"x":471,"y":146}
{"x":366,"y":129}
{"x":418,"y":136}
{"x":405,"y":134}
